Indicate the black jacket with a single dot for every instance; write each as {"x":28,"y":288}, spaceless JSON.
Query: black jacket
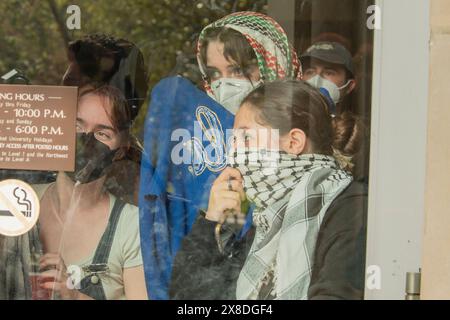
{"x":201,"y":272}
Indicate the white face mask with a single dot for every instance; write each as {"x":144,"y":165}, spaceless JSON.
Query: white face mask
{"x":231,"y":92}
{"x":333,"y":90}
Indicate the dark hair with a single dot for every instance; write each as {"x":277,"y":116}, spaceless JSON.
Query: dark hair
{"x":122,"y":177}
{"x":100,"y":59}
{"x":97,"y":56}
{"x":120,"y":117}
{"x":349,"y":132}
{"x":289,"y":104}
{"x":236,"y":47}
{"x":352,"y":138}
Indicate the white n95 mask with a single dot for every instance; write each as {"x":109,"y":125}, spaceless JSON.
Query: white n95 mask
{"x":333,"y":90}
{"x":231,"y":92}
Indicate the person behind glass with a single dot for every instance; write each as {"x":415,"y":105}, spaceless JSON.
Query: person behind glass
{"x":97,"y":60}
{"x":308,"y":239}
{"x":235,"y":54}
{"x":81,"y":224}
{"x":329,"y":65}
{"x":239,"y":52}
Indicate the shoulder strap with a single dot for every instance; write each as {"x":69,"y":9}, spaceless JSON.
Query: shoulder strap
{"x":104,"y":247}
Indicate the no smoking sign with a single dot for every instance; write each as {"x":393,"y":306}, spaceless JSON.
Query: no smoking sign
{"x":19,"y":208}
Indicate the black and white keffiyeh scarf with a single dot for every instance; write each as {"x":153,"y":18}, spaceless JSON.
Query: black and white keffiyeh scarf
{"x":292,"y":194}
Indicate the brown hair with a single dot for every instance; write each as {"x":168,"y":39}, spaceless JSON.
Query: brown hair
{"x":122,"y":177}
{"x":236,"y":48}
{"x":289,"y":104}
{"x":120,"y":117}
{"x":349,"y":132}
{"x":99,"y":59}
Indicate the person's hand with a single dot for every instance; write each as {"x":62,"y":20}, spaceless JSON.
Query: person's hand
{"x":57,"y":271}
{"x":227,"y":194}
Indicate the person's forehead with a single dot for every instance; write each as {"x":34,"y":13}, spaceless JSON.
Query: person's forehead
{"x":94,"y":109}
{"x":246,"y":118}
{"x":215,"y":56}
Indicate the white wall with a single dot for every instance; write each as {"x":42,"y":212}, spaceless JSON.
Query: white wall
{"x":398,"y":153}
{"x":436,"y":253}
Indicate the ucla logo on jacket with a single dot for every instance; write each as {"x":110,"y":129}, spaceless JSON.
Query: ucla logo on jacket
{"x":206,"y":149}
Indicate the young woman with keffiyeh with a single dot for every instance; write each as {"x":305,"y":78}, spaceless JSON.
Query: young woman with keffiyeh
{"x":239,"y":52}
{"x":235,"y":54}
{"x":308,"y":239}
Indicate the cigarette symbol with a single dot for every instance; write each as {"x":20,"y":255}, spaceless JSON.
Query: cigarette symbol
{"x":19,"y":207}
{"x":21,"y":196}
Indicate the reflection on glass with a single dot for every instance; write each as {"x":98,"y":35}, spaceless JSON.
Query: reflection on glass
{"x":156,"y":102}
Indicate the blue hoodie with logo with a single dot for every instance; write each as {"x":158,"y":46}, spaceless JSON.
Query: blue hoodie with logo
{"x":184,"y":151}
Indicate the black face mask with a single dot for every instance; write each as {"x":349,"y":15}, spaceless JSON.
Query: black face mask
{"x":92,"y":158}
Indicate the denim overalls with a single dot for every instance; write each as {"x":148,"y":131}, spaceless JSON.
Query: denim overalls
{"x":91,"y":284}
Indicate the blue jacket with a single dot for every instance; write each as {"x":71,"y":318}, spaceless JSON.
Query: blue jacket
{"x":185,"y":148}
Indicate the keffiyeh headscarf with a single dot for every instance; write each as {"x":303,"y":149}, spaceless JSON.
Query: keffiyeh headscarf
{"x":292,"y":194}
{"x":276,"y":57}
